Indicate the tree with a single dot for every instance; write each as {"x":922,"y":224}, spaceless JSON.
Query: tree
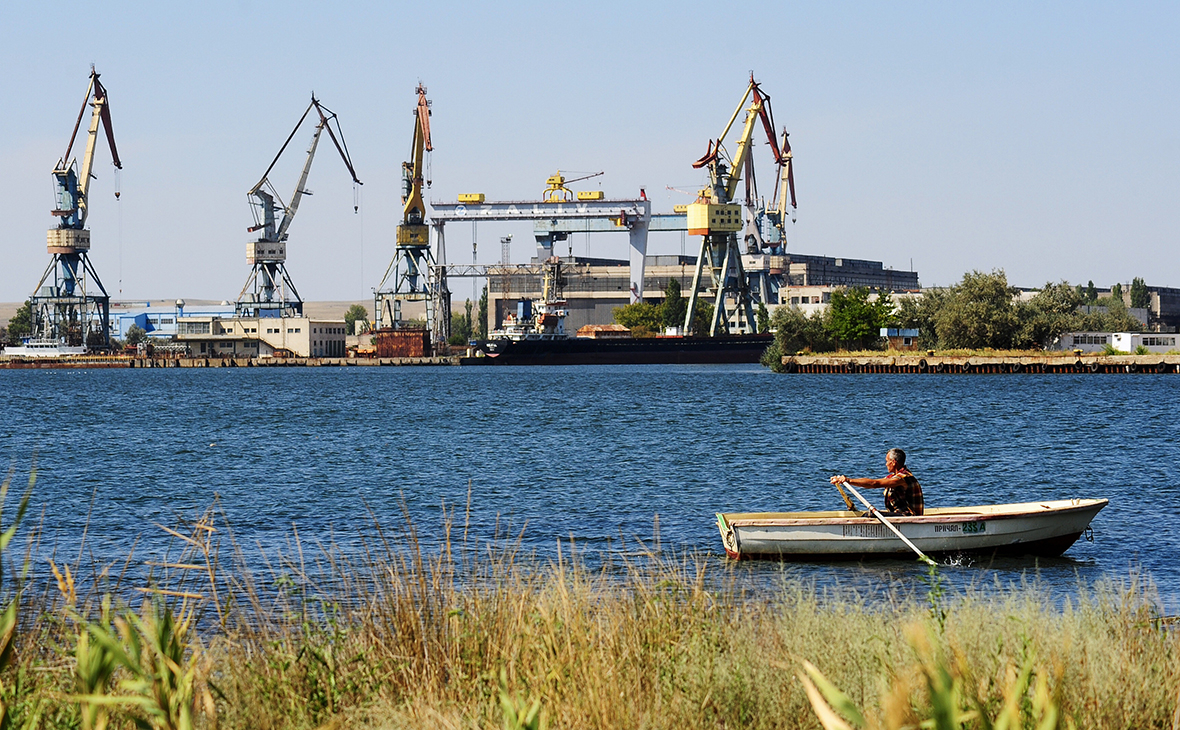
{"x":461,"y":326}
{"x":481,"y":326}
{"x":795,"y":332}
{"x":1091,"y":292}
{"x":1116,"y":292}
{"x":920,"y":313}
{"x":763,"y":319}
{"x":21,"y":324}
{"x":674,"y":306}
{"x":641,"y":318}
{"x":135,"y":334}
{"x":1140,"y":296}
{"x":356,"y":313}
{"x":979,"y":313}
{"x":1052,"y":312}
{"x":854,"y":321}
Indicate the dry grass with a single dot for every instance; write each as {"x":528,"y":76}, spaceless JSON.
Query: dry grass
{"x":465,"y":635}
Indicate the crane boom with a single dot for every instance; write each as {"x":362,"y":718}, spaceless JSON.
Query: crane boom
{"x":266,"y":199}
{"x":73,"y":186}
{"x":413,"y":230}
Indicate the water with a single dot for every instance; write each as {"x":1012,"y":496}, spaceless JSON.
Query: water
{"x":592,"y":452}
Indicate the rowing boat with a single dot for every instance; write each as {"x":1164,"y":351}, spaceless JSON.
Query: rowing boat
{"x":1029,"y":528}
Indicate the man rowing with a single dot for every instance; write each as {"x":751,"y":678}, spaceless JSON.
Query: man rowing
{"x":903,"y":494}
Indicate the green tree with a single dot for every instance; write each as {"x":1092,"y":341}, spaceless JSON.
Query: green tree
{"x":979,"y":313}
{"x":1052,"y":312}
{"x":461,"y":326}
{"x":763,"y":319}
{"x":481,"y":326}
{"x":795,"y":332}
{"x":1113,"y":317}
{"x":135,"y":334}
{"x":920,"y":313}
{"x":854,"y":321}
{"x":21,"y":324}
{"x":356,"y":313}
{"x":1091,"y":292}
{"x":1140,"y":296}
{"x":702,"y":318}
{"x":674,"y":305}
{"x":1116,"y":292}
{"x":641,"y":318}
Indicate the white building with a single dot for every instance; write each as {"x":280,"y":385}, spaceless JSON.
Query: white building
{"x":1152,"y":341}
{"x":261,"y":337}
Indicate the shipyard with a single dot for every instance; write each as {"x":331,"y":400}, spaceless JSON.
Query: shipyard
{"x":550,"y":310}
{"x":617,"y":366}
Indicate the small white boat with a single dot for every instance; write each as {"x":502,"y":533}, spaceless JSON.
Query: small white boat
{"x":1030,"y":528}
{"x":41,"y":348}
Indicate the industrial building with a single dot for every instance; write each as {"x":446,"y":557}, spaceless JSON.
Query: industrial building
{"x":593,"y":288}
{"x":213,"y":336}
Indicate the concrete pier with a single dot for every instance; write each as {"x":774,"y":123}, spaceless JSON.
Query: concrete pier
{"x":950,"y":365}
{"x":121,"y":361}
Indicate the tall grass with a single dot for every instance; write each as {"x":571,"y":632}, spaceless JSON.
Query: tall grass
{"x":478,"y":634}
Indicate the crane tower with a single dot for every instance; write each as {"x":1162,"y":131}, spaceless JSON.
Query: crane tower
{"x":269,"y":291}
{"x":412,"y":272}
{"x":70,"y":305}
{"x":717,"y":217}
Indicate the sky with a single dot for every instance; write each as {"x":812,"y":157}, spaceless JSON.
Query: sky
{"x":1037,"y":138}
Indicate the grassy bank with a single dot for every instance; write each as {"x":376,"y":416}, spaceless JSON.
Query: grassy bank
{"x":480,"y":636}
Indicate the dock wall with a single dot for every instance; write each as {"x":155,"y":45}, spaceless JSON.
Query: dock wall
{"x":220,"y":362}
{"x":940,"y":365}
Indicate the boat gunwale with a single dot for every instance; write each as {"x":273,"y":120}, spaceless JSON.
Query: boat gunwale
{"x":1060,"y":507}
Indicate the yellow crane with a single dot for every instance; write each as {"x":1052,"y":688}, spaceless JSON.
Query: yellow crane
{"x":413,"y":230}
{"x":718,"y":218}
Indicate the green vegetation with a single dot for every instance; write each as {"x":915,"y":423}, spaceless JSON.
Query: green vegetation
{"x":356,"y":313}
{"x":21,"y":324}
{"x":981,"y":312}
{"x":645,"y":319}
{"x":855,"y":322}
{"x":135,"y":334}
{"x":461,"y":326}
{"x":470,"y":635}
{"x":1140,"y":297}
{"x":481,"y":325}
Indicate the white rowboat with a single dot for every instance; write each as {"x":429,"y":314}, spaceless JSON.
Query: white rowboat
{"x":1029,"y":528}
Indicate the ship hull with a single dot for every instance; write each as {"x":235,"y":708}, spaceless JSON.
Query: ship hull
{"x":626,"y":351}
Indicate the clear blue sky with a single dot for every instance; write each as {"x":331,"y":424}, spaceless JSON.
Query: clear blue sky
{"x":1037,"y":138}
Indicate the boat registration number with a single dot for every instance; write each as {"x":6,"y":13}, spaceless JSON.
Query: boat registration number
{"x":974,"y":527}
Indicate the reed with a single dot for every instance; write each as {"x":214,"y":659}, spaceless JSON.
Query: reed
{"x":480,"y":634}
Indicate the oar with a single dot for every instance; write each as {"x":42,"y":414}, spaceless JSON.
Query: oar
{"x":847,"y":499}
{"x":921,"y":555}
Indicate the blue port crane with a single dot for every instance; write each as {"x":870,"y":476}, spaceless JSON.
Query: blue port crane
{"x":70,"y":306}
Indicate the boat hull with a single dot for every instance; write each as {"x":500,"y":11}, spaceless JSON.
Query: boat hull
{"x":626,"y":351}
{"x":1033,"y":528}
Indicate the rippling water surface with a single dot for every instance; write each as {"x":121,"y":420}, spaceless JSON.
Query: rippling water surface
{"x":594,"y":453}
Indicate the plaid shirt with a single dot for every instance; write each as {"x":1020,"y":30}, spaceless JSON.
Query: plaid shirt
{"x":905,"y":495}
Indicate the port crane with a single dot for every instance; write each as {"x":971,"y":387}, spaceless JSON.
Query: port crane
{"x":70,"y":306}
{"x":269,"y":291}
{"x":718,"y":218}
{"x":557,"y":192}
{"x":412,"y":272}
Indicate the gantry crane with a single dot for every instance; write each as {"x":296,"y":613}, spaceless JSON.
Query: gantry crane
{"x":269,"y":290}
{"x":412,"y":269}
{"x":718,"y":219}
{"x":70,"y":305}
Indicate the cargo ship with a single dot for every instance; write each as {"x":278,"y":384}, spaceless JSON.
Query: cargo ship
{"x":536,"y":336}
